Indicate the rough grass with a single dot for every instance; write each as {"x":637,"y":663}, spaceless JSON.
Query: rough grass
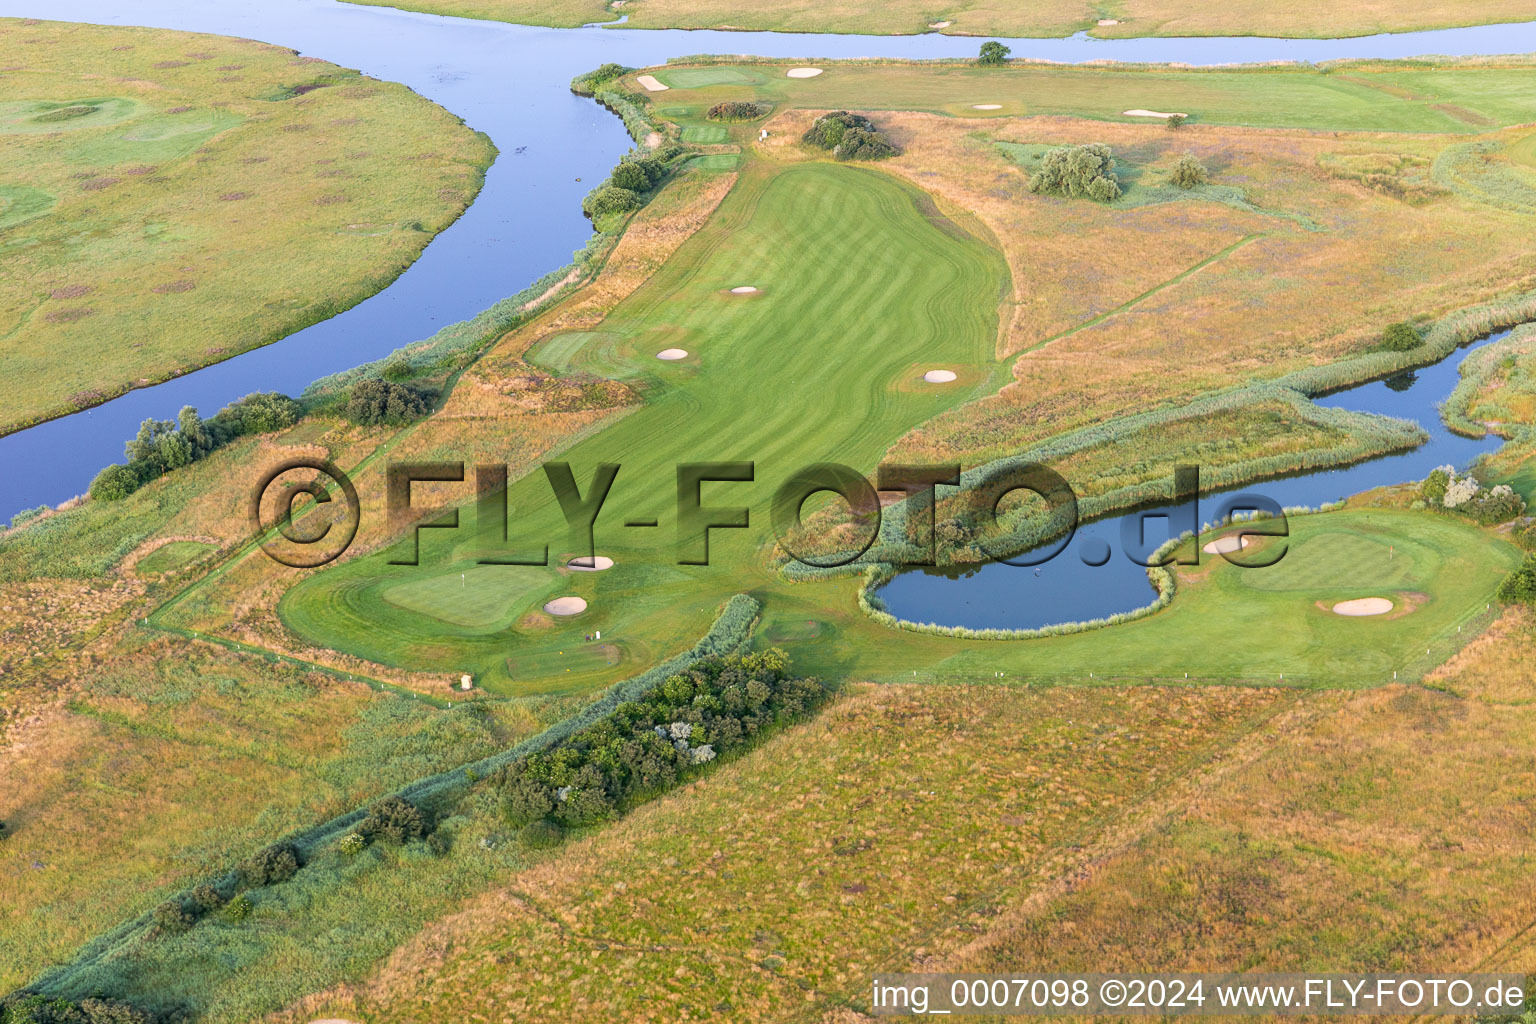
{"x":139,"y":219}
{"x":1311,"y":18}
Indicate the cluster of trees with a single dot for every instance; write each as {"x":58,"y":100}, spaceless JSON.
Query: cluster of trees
{"x":35,"y":1009}
{"x":646,"y":745}
{"x":164,"y":445}
{"x":849,"y":136}
{"x":1400,"y":337}
{"x":1463,"y":495}
{"x":1519,"y":587}
{"x":627,"y":186}
{"x":736,"y":110}
{"x":1078,"y":172}
{"x":1189,"y":172}
{"x":373,"y":401}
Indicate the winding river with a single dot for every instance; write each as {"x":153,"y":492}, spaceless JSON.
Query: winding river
{"x":511,"y":83}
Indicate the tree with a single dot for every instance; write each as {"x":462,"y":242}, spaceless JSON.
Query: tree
{"x":114,"y":483}
{"x":276,"y":863}
{"x":375,"y":401}
{"x":606,"y":200}
{"x":525,"y":800}
{"x":206,"y":898}
{"x":1400,"y":337}
{"x":1189,"y":172}
{"x":1519,"y":587}
{"x":1434,"y":486}
{"x":993,"y":53}
{"x":1086,"y":171}
{"x":849,"y":136}
{"x":172,"y":917}
{"x":1175,"y":121}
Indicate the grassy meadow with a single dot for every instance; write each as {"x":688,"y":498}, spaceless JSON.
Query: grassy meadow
{"x":183,"y":701}
{"x":147,"y":171}
{"x":1109,"y":18}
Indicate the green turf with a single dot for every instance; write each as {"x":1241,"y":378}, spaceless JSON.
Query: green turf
{"x":19,"y":117}
{"x":857,"y":284}
{"x":705,"y":134}
{"x":20,"y":203}
{"x":715,"y":162}
{"x":481,"y":598}
{"x":556,"y":353}
{"x":176,"y":555}
{"x":1454,"y":99}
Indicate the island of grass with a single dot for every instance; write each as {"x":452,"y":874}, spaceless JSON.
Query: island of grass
{"x":147,"y":172}
{"x":1304,"y":19}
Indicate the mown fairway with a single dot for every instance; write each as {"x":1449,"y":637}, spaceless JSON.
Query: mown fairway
{"x":860,"y":290}
{"x":1352,"y":98}
{"x":147,"y":172}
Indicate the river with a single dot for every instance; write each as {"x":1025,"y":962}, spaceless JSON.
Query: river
{"x":510,"y":82}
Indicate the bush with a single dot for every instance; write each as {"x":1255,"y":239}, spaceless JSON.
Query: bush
{"x":114,"y":483}
{"x":1519,"y":587}
{"x":35,"y":1009}
{"x":352,"y":844}
{"x":1400,"y":337}
{"x":541,"y":835}
{"x":1175,"y":121}
{"x":394,"y":820}
{"x":373,"y":402}
{"x":1189,"y":172}
{"x":849,"y":136}
{"x":992,"y":54}
{"x":239,"y":908}
{"x":736,"y":110}
{"x":276,"y":863}
{"x":637,"y":176}
{"x":206,"y":898}
{"x":607,"y":200}
{"x":1086,"y":171}
{"x":1432,"y":490}
{"x":173,"y":918}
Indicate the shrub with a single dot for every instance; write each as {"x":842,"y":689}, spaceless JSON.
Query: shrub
{"x":394,"y":820}
{"x":638,"y":175}
{"x":114,"y":483}
{"x":525,"y":800}
{"x":1189,"y":172}
{"x":276,"y":863}
{"x":607,"y":200}
{"x":352,"y":844}
{"x":173,"y":918}
{"x":26,"y":515}
{"x":541,"y":834}
{"x":239,"y":908}
{"x":1175,"y":121}
{"x":992,"y":53}
{"x":1086,"y":171}
{"x":374,"y":402}
{"x":1519,"y":587}
{"x":36,"y":1009}
{"x":1432,"y":490}
{"x":736,"y":110}
{"x":605,"y":72}
{"x":397,"y":367}
{"x":206,"y":898}
{"x":440,"y":844}
{"x":1524,"y":535}
{"x":849,"y":136}
{"x":1400,"y":337}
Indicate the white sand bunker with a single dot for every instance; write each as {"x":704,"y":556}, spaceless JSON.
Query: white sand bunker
{"x":1226,"y":545}
{"x":986,"y":106}
{"x":939,"y":376}
{"x":940,"y":24}
{"x":590,"y":563}
{"x":1363,"y":606}
{"x":1105,"y":22}
{"x":802,"y":72}
{"x":1138,"y":112}
{"x":652,"y":83}
{"x":671,"y":354}
{"x":744,"y":289}
{"x":566,"y":606}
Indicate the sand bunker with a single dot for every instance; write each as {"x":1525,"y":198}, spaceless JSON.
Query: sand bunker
{"x":940,"y":24}
{"x":939,"y":376}
{"x":1226,"y":545}
{"x":1104,"y":22}
{"x":744,"y":289}
{"x":593,"y":563}
{"x":986,"y":106}
{"x":566,"y":606}
{"x":802,"y":72}
{"x":651,"y":83}
{"x":1363,"y":606}
{"x":671,"y":354}
{"x":1138,"y":112}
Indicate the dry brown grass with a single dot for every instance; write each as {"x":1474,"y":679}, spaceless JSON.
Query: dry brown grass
{"x":876,"y":837}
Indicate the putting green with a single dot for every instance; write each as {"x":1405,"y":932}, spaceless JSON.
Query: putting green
{"x":857,"y":283}
{"x":480,"y":598}
{"x":1358,"y":557}
{"x":700,"y":78}
{"x":25,"y":117}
